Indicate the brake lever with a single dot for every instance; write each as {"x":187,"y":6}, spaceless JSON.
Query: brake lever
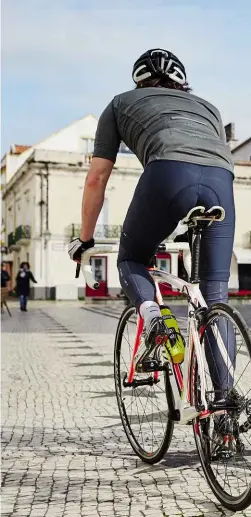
{"x":77,"y":271}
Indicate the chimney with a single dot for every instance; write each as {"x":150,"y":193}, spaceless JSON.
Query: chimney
{"x":230,"y":135}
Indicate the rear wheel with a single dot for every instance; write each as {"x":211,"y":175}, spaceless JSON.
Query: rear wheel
{"x":223,"y":439}
{"x":143,"y":409}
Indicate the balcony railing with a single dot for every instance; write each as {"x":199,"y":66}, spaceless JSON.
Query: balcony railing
{"x":107,"y":231}
{"x":11,"y":239}
{"x":22,"y":234}
{"x":102,"y":231}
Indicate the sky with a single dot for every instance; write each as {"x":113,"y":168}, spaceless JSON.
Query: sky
{"x":63,"y":59}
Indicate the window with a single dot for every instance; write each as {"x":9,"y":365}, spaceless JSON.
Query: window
{"x":87,"y":145}
{"x":164,"y":264}
{"x":18,"y":214}
{"x":27,"y":212}
{"x":98,"y":266}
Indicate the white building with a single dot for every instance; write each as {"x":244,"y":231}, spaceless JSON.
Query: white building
{"x":42,"y":208}
{"x":42,"y":194}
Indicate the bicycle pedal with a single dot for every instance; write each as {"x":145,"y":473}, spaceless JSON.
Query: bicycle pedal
{"x":152,"y":365}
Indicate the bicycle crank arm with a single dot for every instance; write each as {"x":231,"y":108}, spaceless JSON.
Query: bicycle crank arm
{"x":150,"y":365}
{"x":150,"y":381}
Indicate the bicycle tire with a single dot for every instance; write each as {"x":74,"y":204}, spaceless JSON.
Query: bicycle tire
{"x":233,"y":503}
{"x":146,"y":456}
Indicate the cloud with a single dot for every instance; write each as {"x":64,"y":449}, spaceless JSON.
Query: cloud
{"x":64,"y":58}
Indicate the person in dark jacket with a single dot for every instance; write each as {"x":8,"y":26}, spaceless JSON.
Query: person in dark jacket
{"x":23,"y":284}
{"x":5,"y":277}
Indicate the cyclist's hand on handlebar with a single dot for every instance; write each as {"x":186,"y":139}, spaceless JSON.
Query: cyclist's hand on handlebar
{"x":76,"y":247}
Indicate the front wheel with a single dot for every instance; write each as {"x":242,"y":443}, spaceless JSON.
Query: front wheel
{"x":223,"y":438}
{"x":143,"y":409}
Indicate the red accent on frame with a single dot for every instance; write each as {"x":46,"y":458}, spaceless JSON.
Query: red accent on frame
{"x":178,"y":374}
{"x":189,"y":390}
{"x":202,"y":330}
{"x":156,"y":376}
{"x":205,"y":414}
{"x":135,"y":349}
{"x":228,"y":438}
{"x":197,"y":429}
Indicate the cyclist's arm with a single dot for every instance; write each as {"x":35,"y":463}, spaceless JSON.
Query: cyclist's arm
{"x":106,"y":146}
{"x":93,"y":196}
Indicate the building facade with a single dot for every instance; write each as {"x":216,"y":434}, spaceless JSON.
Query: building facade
{"x":242,"y":151}
{"x":42,"y":196}
{"x":42,"y":208}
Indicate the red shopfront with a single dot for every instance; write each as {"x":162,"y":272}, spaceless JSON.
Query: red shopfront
{"x":169,"y":262}
{"x":99,"y":267}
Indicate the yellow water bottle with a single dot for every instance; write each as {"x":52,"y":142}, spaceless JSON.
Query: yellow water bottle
{"x":175,"y":345}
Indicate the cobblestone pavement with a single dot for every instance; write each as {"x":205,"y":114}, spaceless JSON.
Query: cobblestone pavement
{"x":64,"y":451}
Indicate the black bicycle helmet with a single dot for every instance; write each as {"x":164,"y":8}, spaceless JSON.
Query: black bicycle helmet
{"x":158,"y":63}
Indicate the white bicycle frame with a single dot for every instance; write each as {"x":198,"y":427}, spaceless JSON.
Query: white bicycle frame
{"x":195,"y":298}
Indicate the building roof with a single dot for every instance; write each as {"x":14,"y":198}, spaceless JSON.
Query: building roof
{"x":239,"y":146}
{"x":19,"y":149}
{"x":65,"y":127}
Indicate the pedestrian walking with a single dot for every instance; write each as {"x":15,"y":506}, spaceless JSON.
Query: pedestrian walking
{"x":23,"y":279}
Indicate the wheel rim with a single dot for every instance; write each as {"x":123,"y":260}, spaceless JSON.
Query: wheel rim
{"x":144,"y":409}
{"x":226,"y":451}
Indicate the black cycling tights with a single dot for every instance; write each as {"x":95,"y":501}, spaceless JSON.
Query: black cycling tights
{"x":165,"y":193}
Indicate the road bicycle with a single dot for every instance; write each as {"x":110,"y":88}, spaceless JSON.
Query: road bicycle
{"x":151,"y":401}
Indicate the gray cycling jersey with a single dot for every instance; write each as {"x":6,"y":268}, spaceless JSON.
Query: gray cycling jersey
{"x":163,"y":124}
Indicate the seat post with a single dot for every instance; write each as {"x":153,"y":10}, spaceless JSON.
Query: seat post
{"x":195,"y":252}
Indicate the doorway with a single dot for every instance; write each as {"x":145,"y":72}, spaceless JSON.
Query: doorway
{"x":99,"y":268}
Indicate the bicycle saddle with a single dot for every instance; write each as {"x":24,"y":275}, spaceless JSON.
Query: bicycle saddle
{"x":199,"y":213}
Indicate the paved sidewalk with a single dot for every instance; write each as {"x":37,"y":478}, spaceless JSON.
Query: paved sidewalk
{"x":64,"y":451}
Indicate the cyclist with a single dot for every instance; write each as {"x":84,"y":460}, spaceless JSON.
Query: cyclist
{"x":180,"y":140}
